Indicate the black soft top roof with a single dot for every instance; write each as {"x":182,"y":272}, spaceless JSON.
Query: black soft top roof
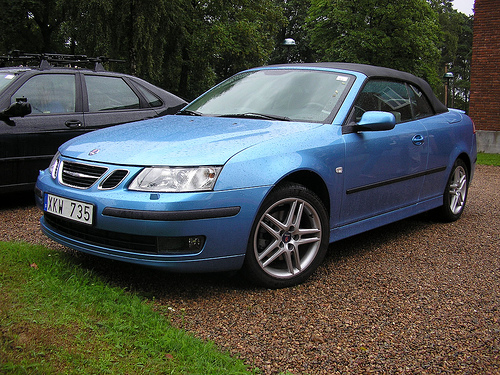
{"x":372,"y":71}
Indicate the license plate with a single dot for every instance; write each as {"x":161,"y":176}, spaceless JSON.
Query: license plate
{"x":69,"y":209}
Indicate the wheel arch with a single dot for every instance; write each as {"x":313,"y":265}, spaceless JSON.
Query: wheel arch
{"x":313,"y":182}
{"x":467,"y":161}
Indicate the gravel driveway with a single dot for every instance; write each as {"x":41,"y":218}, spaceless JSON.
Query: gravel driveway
{"x":412,"y":297}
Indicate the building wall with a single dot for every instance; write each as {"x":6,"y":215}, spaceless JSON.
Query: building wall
{"x":484,"y":103}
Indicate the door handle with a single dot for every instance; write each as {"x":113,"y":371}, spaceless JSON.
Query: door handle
{"x":73,"y":124}
{"x":418,"y":140}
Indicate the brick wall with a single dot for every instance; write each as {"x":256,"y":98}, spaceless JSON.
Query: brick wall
{"x":485,"y":67}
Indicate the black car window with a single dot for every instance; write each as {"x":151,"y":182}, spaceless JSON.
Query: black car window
{"x":151,"y":98}
{"x":421,"y":106}
{"x":48,"y":93}
{"x":109,"y":93}
{"x":388,"y":96}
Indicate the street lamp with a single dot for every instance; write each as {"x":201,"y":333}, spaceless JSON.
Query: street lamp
{"x":448,"y":76}
{"x":288,"y":43}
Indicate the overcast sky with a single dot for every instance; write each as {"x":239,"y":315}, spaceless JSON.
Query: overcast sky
{"x":464,"y":6}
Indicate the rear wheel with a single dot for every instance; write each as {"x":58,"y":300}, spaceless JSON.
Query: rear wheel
{"x":455,"y":193}
{"x":289,"y":238}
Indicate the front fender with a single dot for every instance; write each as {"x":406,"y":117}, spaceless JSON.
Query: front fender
{"x":320,"y":151}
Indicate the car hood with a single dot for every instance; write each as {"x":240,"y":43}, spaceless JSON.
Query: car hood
{"x":178,"y":140}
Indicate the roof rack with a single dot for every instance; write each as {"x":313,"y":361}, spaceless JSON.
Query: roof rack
{"x":49,"y":60}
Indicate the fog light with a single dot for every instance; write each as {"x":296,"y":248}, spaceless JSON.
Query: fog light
{"x":180,"y":245}
{"x":194,"y":242}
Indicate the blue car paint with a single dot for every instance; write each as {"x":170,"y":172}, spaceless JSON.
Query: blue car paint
{"x":177,"y":140}
{"x":256,"y":155}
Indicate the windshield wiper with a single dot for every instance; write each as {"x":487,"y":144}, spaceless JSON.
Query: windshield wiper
{"x":188,"y":112}
{"x":257,"y":116}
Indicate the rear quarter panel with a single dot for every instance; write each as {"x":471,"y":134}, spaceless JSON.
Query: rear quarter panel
{"x":450,"y":136}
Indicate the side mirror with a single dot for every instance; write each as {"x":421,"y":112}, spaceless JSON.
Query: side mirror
{"x":20,"y":108}
{"x":376,"y":121}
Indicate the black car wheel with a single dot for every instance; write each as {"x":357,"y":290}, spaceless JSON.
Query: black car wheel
{"x":289,"y":238}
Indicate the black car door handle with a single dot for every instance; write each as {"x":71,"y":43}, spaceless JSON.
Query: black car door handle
{"x":73,"y":124}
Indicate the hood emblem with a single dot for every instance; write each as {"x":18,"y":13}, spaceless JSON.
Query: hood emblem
{"x":94,"y":151}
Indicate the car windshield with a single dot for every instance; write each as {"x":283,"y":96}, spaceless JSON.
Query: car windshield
{"x":283,"y":94}
{"x":6,"y":78}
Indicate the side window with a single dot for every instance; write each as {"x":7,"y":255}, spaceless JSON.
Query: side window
{"x":421,"y":106}
{"x":109,"y":93}
{"x":49,"y":93}
{"x":388,"y":96}
{"x":151,"y":98}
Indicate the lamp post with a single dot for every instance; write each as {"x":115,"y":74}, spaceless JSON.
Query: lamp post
{"x":288,"y":43}
{"x":448,"y":76}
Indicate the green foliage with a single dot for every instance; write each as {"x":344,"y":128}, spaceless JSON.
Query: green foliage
{"x":400,"y":34}
{"x":226,"y":36}
{"x":186,"y":46}
{"x":295,"y":14}
{"x":456,"y":52}
{"x":56,"y":317}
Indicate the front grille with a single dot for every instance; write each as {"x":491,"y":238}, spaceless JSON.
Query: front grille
{"x":114,"y":179}
{"x":81,"y":176}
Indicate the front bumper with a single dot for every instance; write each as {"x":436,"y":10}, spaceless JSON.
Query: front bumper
{"x":139,"y":227}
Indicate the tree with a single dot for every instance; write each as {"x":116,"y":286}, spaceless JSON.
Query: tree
{"x":142,"y":33}
{"x":462,"y":63}
{"x":31,"y":24}
{"x":455,"y":44}
{"x":295,"y":14}
{"x":228,"y":36}
{"x":186,"y":46}
{"x":401,"y":34}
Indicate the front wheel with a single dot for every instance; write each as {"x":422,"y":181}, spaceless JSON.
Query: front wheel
{"x":289,"y":238}
{"x":455,"y":193}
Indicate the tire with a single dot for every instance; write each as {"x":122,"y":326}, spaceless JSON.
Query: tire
{"x":455,"y":193}
{"x":289,"y":238}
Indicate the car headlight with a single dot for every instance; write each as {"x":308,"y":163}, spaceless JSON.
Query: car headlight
{"x":178,"y":179}
{"x":54,"y":164}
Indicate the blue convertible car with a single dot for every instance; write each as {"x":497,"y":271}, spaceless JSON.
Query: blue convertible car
{"x":262,"y":172}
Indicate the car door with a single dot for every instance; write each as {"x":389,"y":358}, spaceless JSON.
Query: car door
{"x":110,"y":100}
{"x":384,"y":170}
{"x":28,"y":145}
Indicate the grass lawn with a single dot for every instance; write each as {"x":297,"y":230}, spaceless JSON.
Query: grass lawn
{"x":488,"y":159}
{"x":56,"y":317}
